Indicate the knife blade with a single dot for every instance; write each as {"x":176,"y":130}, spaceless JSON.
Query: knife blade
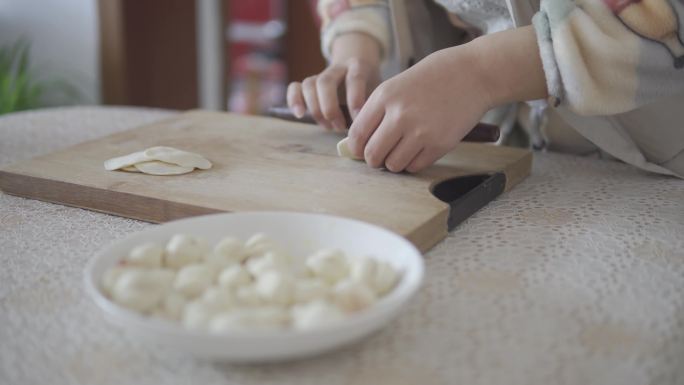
{"x":482,"y":132}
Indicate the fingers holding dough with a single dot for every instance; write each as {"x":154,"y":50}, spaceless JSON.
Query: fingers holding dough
{"x":344,"y":151}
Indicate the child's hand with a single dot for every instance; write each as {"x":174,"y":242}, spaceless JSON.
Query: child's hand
{"x":416,"y":117}
{"x":355,"y":64}
{"x":413,"y":119}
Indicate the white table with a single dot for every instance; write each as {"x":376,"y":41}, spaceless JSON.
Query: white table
{"x":574,"y":277}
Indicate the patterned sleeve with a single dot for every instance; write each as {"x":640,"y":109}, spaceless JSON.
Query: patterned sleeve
{"x":604,"y":57}
{"x":342,"y":16}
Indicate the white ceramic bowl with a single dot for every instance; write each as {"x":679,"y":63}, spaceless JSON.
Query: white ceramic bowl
{"x":298,"y":233}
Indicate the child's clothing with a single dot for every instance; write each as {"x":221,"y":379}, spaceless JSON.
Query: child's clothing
{"x":614,"y":68}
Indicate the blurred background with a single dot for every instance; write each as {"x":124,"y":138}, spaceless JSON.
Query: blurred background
{"x":234,"y":55}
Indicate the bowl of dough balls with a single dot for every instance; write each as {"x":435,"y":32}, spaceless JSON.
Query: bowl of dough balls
{"x":255,"y":286}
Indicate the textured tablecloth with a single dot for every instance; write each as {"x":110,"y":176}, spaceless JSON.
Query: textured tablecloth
{"x":574,"y":277}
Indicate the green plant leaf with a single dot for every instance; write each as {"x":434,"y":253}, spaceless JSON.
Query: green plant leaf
{"x":5,"y":62}
{"x":69,"y":93}
{"x":12,"y":102}
{"x":7,"y":58}
{"x":19,"y":88}
{"x":23,"y":52}
{"x":5,"y":95}
{"x":34,"y":93}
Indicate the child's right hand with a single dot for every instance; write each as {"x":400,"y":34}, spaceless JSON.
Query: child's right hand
{"x":355,"y":63}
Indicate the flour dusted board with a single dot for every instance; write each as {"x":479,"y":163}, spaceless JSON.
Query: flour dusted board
{"x":259,"y":164}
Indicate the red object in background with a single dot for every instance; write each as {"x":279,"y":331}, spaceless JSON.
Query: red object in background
{"x":256,"y":10}
{"x":252,"y":13}
{"x":258,"y":85}
{"x":257,"y":69}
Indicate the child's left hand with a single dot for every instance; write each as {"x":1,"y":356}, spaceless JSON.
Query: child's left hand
{"x":414,"y":118}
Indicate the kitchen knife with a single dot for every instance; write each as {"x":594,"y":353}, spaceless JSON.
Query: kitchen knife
{"x":482,"y":132}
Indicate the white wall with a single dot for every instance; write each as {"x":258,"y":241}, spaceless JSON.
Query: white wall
{"x":64,"y":36}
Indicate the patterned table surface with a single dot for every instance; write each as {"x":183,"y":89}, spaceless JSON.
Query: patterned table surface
{"x":574,"y":277}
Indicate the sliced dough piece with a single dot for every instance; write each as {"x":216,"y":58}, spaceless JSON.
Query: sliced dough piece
{"x":167,"y":155}
{"x":155,"y":167}
{"x":343,"y":150}
{"x":125,"y":161}
{"x":179,"y":157}
{"x":130,"y":169}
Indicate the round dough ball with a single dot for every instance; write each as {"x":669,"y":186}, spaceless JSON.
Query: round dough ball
{"x":219,"y":299}
{"x":228,"y":251}
{"x":271,"y":261}
{"x":385,"y":278}
{"x":192,"y":280}
{"x":314,"y":315}
{"x":296,"y":266}
{"x":164,"y":276}
{"x":110,"y":277}
{"x":229,"y":322}
{"x":183,"y":250}
{"x":363,"y":270}
{"x":258,"y":244}
{"x":329,"y":265}
{"x":233,"y":277}
{"x":310,"y":289}
{"x":353,"y":296}
{"x":197,"y":314}
{"x":248,"y":296}
{"x":146,"y":255}
{"x":275,"y":288}
{"x":140,"y":289}
{"x":173,"y":305}
{"x":258,"y":318}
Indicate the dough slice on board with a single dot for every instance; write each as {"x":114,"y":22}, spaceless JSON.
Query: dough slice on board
{"x":125,"y":161}
{"x":159,"y":160}
{"x":155,"y":167}
{"x":130,"y":169}
{"x":179,"y":157}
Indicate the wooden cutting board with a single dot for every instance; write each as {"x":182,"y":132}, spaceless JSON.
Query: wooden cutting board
{"x":266,"y":164}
